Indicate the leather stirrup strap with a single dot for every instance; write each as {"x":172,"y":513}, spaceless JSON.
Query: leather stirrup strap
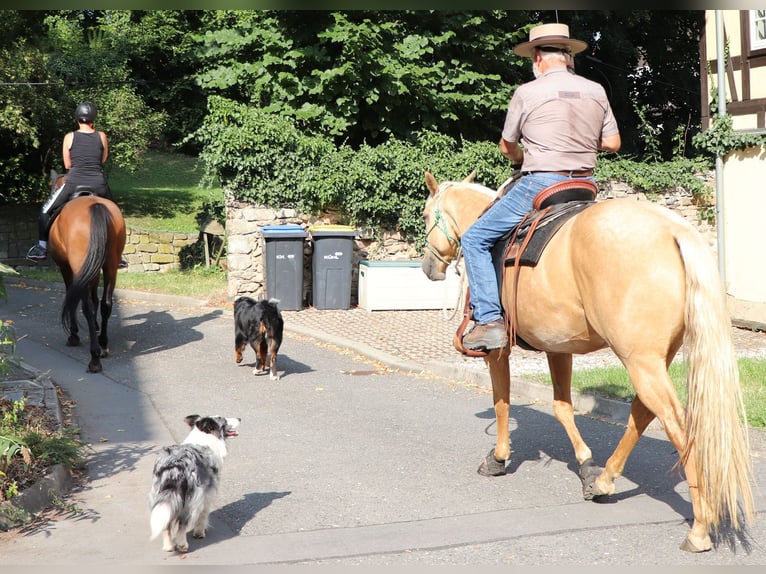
{"x":510,"y":316}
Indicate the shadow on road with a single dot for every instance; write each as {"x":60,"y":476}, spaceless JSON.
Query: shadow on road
{"x":155,"y":331}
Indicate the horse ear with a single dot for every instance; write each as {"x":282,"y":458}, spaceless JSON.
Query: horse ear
{"x":469,"y":178}
{"x":54,"y":176}
{"x":431,"y":183}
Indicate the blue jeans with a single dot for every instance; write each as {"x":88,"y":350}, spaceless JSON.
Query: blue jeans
{"x":479,"y":239}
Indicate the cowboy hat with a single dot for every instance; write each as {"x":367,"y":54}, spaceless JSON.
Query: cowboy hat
{"x":550,"y":35}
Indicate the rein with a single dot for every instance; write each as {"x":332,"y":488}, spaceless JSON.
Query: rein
{"x":440,"y":223}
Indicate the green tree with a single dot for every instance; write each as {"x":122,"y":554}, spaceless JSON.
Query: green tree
{"x":89,"y":54}
{"x":648,"y":62}
{"x":364,"y":76}
{"x":50,"y":61}
{"x":162,"y":57}
{"x":29,"y":106}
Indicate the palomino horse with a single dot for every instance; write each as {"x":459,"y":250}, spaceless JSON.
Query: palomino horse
{"x":86,"y":238}
{"x":637,"y":278}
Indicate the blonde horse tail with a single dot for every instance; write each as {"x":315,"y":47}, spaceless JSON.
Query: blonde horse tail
{"x":716,"y":423}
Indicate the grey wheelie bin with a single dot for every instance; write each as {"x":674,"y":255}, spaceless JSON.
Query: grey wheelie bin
{"x":283,"y":266}
{"x":331,"y":265}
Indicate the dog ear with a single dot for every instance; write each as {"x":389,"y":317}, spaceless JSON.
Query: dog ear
{"x":191,"y":420}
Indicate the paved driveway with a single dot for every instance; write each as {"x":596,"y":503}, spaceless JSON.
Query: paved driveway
{"x":342,"y":461}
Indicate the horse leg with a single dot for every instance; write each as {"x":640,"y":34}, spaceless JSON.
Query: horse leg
{"x":560,"y":366}
{"x":500,"y":373}
{"x":655,"y":394}
{"x":94,"y":299}
{"x":73,"y":340}
{"x":107,"y":302}
{"x":74,"y":337}
{"x":89,"y":310}
{"x":603,"y":484}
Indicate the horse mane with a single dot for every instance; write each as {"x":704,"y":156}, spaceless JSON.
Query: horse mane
{"x":488,"y":191}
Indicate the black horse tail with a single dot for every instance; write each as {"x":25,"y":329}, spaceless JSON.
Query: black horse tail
{"x":100,"y":222}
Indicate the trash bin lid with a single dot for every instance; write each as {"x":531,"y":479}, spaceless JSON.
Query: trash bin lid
{"x":283,"y":231}
{"x":337,"y":230}
{"x":394,"y":263}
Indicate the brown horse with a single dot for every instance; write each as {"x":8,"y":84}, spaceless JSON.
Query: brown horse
{"x":85,"y":239}
{"x":637,"y":278}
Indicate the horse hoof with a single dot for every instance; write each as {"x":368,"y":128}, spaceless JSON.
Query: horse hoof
{"x":689,"y":546}
{"x":95,"y":368}
{"x":589,"y":472}
{"x":73,"y":342}
{"x":490,"y":466}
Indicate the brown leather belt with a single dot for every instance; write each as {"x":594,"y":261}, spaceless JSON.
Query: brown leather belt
{"x":572,"y":173}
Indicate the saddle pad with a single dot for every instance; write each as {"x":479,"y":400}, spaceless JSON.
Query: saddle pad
{"x":547,"y":227}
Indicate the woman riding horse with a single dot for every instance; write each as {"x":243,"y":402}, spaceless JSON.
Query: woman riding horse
{"x":84,"y":152}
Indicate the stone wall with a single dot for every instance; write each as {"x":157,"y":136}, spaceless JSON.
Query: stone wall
{"x":144,"y":250}
{"x":155,"y":250}
{"x":246,"y":268}
{"x":16,"y":237}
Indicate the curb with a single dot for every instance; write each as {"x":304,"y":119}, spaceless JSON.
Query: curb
{"x":45,"y":493}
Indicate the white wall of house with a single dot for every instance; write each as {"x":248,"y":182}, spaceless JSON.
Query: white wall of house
{"x":744,"y":211}
{"x":742,"y":177}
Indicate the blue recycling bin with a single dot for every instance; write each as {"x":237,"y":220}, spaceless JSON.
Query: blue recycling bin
{"x":284,"y":264}
{"x":332,"y":265}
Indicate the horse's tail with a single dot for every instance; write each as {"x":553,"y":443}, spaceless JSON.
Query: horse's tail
{"x":100,"y":221}
{"x":716,"y":424}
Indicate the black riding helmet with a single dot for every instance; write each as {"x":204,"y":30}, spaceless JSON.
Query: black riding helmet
{"x":85,"y":113}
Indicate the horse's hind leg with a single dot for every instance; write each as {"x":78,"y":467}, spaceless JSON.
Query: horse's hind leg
{"x":655,"y":390}
{"x":107,"y":302}
{"x":500,"y":373}
{"x":603,"y":485}
{"x":89,"y":310}
{"x":73,"y":340}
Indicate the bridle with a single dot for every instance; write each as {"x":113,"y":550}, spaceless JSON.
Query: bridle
{"x":440,"y":223}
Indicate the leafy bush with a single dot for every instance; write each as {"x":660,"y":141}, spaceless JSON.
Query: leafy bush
{"x":721,"y":138}
{"x":266,"y":159}
{"x":30,"y":443}
{"x":657,"y":177}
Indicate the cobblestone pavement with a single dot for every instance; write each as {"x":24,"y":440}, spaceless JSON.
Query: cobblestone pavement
{"x":425,"y":336}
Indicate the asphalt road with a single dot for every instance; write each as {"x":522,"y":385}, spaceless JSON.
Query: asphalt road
{"x":340,"y":462}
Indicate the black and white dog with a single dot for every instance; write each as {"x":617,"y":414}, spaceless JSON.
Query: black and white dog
{"x":260,"y":325}
{"x":185,"y":481}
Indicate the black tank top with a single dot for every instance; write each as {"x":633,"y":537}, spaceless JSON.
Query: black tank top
{"x":86,"y":153}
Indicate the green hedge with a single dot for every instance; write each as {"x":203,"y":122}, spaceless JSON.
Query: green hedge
{"x":268,"y":159}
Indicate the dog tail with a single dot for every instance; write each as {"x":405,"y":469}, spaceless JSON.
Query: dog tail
{"x":160,"y":519}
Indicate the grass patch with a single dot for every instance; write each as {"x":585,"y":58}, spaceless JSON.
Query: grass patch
{"x":614,"y":382}
{"x":164,"y":193}
{"x":199,"y":282}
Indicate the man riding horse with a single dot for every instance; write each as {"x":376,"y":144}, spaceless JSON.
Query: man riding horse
{"x":562,"y":120}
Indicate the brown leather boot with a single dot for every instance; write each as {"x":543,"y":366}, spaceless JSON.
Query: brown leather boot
{"x":488,"y":337}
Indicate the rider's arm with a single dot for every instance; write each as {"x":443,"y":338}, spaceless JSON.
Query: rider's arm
{"x":610,"y":143}
{"x":65,"y":151}
{"x":105,"y":143}
{"x":512,"y":150}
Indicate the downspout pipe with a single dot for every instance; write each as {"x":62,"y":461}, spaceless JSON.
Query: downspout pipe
{"x":719,"y":193}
